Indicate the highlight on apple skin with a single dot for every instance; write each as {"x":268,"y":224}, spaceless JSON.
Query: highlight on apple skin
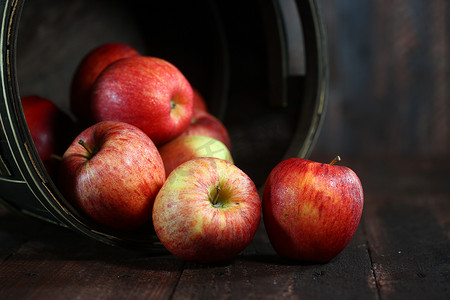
{"x":208,"y":210}
{"x":311,"y":210}
{"x":111,"y":173}
{"x":147,"y":92}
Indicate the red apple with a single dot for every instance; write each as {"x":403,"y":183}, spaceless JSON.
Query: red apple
{"x":184,"y":148}
{"x":311,"y":210}
{"x":208,"y":210}
{"x":51,"y":129}
{"x":147,"y":92}
{"x":112,"y":173}
{"x":87,"y":72}
{"x":199,"y":101}
{"x":203,"y":123}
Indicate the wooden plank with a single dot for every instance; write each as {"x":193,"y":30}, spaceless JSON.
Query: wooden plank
{"x":88,"y":278}
{"x":400,"y":251}
{"x":15,"y":230}
{"x":259,"y":273}
{"x":407,"y":221}
{"x":54,"y":262}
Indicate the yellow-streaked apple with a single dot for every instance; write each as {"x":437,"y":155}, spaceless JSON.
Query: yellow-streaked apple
{"x":208,"y":210}
{"x":112,"y":172}
{"x":311,"y":210}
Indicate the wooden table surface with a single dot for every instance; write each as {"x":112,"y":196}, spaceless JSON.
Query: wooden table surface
{"x":401,"y":250}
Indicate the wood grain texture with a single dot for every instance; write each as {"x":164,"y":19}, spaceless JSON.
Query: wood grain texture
{"x":401,"y":250}
{"x":406,"y":221}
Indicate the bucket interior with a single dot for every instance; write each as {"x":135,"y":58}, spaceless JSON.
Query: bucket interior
{"x":221,"y":50}
{"x":250,"y":60}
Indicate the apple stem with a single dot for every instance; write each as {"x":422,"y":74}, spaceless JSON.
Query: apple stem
{"x":216,"y":195}
{"x":86,"y":146}
{"x":335,"y":160}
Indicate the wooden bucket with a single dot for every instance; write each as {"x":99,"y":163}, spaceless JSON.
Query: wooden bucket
{"x":261,"y":66}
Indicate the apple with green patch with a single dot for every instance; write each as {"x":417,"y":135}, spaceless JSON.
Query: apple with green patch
{"x":208,"y":210}
{"x":184,"y":148}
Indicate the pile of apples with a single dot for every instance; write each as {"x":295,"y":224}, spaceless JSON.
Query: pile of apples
{"x":143,"y":149}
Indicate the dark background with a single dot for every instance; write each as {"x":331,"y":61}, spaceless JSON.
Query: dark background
{"x":389,"y":78}
{"x":388,"y":62}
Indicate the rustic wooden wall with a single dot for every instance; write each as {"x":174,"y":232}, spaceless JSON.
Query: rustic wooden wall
{"x":390,"y":76}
